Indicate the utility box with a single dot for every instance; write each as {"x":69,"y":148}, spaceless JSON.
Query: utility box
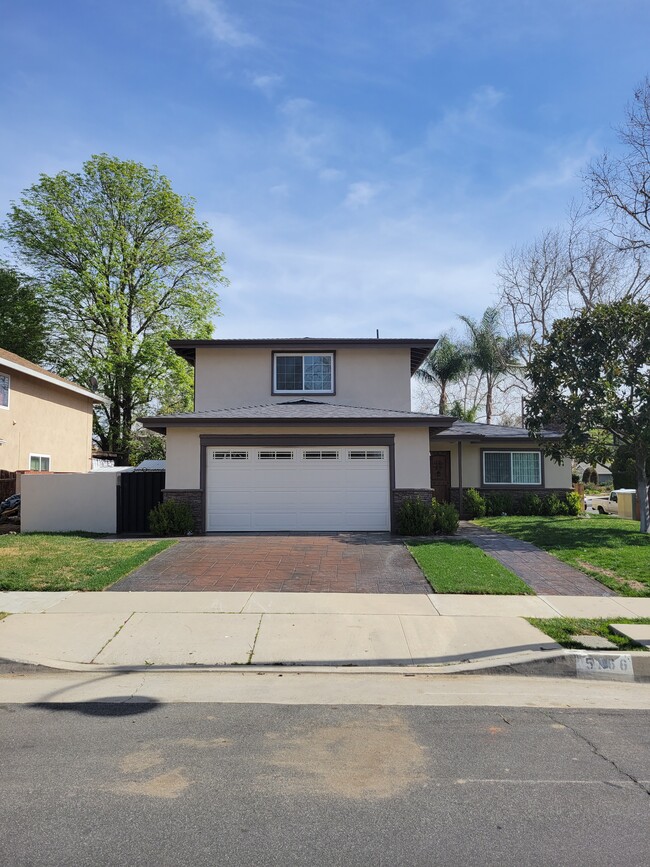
{"x":627,"y":504}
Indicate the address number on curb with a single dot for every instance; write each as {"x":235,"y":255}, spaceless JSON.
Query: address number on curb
{"x":591,"y":666}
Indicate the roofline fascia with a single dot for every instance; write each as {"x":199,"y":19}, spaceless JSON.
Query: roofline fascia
{"x":70,"y":386}
{"x":161,"y":423}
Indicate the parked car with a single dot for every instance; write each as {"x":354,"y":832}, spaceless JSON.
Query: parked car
{"x":606,"y":505}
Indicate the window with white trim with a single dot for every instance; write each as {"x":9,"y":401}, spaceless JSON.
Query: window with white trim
{"x":275,"y":455}
{"x":39,"y":463}
{"x":5,"y":380}
{"x":512,"y":468}
{"x":320,"y":455}
{"x":303,"y":373}
{"x":229,"y":456}
{"x":365,"y":455}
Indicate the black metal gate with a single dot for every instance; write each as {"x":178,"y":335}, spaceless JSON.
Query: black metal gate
{"x":137,"y":494}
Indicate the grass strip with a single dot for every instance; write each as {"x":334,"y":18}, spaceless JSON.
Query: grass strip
{"x":50,"y":561}
{"x":561,"y":630}
{"x":458,"y":566}
{"x":611,"y":550}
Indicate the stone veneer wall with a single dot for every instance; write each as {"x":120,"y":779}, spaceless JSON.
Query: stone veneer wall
{"x":194,"y":500}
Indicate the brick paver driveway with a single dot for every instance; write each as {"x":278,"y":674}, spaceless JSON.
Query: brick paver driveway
{"x":337,"y":563}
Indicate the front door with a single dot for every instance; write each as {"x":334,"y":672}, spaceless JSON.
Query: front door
{"x":441,"y":476}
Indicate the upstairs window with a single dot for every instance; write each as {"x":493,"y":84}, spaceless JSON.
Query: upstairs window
{"x":512,"y":468}
{"x":4,"y":390}
{"x":303,"y":373}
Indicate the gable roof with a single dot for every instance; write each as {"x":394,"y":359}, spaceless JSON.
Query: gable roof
{"x":478,"y":430}
{"x":296,"y":411}
{"x":16,"y":362}
{"x":420,"y":348}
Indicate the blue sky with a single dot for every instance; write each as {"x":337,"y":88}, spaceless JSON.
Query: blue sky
{"x":362,"y":164}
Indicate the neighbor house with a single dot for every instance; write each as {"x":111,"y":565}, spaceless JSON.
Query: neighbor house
{"x":45,"y":420}
{"x":313,"y":434}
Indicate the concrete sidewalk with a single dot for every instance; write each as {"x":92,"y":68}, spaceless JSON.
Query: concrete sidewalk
{"x":140,"y":630}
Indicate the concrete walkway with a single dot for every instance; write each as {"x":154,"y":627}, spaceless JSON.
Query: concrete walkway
{"x":542,"y":572}
{"x":104,"y":630}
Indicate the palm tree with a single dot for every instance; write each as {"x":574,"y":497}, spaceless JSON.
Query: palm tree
{"x":445,"y":365}
{"x":491,"y":353}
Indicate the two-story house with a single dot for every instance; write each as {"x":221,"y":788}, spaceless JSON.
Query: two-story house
{"x":308,"y":434}
{"x":45,"y":420}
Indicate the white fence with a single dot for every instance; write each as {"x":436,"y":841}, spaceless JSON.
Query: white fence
{"x":67,"y":502}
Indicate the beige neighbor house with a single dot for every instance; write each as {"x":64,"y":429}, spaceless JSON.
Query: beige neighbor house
{"x":45,"y":420}
{"x":318,"y":434}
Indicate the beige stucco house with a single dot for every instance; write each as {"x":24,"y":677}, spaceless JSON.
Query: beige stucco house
{"x":318,"y":434}
{"x":45,"y":420}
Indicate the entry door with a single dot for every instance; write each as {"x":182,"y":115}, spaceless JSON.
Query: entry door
{"x":441,"y":476}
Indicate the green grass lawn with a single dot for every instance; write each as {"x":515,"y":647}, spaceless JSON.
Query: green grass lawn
{"x":609,"y":549}
{"x":43,"y":561}
{"x":561,"y":629}
{"x":458,"y":566}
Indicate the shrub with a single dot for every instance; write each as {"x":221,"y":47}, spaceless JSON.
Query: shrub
{"x":531,"y":504}
{"x":415,"y":518}
{"x":473,"y":504}
{"x":553,"y":505}
{"x":574,"y":503}
{"x":499,"y":504}
{"x":445,"y":518}
{"x":171,"y":518}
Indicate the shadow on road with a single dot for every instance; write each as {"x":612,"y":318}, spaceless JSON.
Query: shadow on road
{"x":106,"y":706}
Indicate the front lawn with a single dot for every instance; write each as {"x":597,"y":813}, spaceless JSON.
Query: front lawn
{"x":609,"y":549}
{"x":562,"y":630}
{"x":458,"y":566}
{"x":43,"y":561}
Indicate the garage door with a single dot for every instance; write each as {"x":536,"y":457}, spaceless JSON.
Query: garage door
{"x":297,"y":488}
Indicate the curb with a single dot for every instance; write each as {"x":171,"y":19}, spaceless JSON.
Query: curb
{"x":631,"y":667}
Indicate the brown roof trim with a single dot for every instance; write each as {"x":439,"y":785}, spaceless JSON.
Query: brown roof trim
{"x":21,"y":365}
{"x":161,"y":423}
{"x":420,"y":347}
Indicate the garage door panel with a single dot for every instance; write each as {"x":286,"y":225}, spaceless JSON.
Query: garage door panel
{"x":276,"y":493}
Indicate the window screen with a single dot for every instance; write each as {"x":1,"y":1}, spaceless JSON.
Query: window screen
{"x":300,"y":373}
{"x":4,"y":390}
{"x":512,"y":468}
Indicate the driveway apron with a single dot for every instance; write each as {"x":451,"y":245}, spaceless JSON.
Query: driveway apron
{"x":320,"y":563}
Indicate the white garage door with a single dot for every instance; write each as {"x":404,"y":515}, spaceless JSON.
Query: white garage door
{"x":298,"y":488}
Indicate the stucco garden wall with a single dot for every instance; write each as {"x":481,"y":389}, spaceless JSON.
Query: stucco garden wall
{"x":68,"y":502}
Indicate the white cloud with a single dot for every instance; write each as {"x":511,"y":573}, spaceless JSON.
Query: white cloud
{"x":268,"y":84}
{"x":218,"y":23}
{"x":329,"y":174}
{"x":476,"y":113}
{"x":360,"y":194}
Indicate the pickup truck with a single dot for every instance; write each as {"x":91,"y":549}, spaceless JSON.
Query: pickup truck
{"x":606,"y":505}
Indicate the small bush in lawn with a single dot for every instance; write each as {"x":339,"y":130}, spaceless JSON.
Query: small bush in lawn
{"x":415,"y":518}
{"x":574,"y":503}
{"x":445,"y":518}
{"x":499,"y":504}
{"x":171,"y":518}
{"x":473,"y":504}
{"x":531,"y":504}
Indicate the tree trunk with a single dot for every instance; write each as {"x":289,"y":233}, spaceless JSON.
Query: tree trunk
{"x":442,"y":406}
{"x":642,"y":491}
{"x":488,"y":402}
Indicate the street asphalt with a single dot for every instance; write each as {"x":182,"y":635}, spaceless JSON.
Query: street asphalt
{"x":269,"y":784}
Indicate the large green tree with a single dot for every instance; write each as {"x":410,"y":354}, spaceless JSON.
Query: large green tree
{"x":126,"y":266}
{"x":592,"y":380}
{"x":22,"y":316}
